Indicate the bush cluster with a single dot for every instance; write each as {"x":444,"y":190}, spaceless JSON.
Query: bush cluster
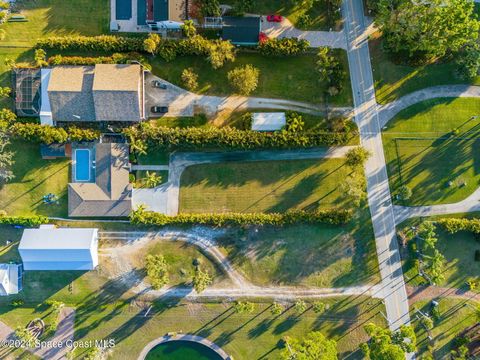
{"x":284,"y":47}
{"x":227,"y":137}
{"x":86,"y":60}
{"x":103,"y":43}
{"x":453,"y":225}
{"x":51,"y":134}
{"x":332,"y":217}
{"x":29,"y":221}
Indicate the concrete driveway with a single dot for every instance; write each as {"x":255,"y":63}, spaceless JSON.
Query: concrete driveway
{"x":179,"y":101}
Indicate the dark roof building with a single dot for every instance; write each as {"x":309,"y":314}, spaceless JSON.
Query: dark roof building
{"x":243,"y":30}
{"x":110,"y":193}
{"x":104,"y":92}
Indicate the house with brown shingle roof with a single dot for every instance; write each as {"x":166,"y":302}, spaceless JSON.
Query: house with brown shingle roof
{"x":104,"y":92}
{"x":108,"y":192}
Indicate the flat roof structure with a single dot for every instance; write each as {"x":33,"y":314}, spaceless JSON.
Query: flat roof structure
{"x":243,"y":30}
{"x":52,"y":248}
{"x":264,"y":121}
{"x":10,"y":279}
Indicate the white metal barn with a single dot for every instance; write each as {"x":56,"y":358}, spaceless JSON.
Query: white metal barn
{"x":268,"y":121}
{"x":10,"y":279}
{"x":52,"y":248}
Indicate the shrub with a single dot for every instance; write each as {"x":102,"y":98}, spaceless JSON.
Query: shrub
{"x":28,"y":221}
{"x":51,"y":134}
{"x":157,"y":270}
{"x":101,"y":43}
{"x":283,"y":47}
{"x":244,"y":79}
{"x":300,"y":306}
{"x":201,"y":280}
{"x":17,"y":302}
{"x":116,"y":58}
{"x":453,"y":225}
{"x":319,"y":307}
{"x":295,"y":122}
{"x":220,"y":52}
{"x":332,"y":217}
{"x":190,"y":79}
{"x":404,"y":193}
{"x":277,"y":309}
{"x":356,"y":157}
{"x":243,"y":307}
{"x":227,"y":137}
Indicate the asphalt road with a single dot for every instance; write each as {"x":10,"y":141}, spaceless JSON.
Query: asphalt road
{"x":379,"y":199}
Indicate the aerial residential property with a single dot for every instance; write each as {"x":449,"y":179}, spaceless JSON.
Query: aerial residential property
{"x":275,"y":180}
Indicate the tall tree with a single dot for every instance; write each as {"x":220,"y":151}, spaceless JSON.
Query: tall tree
{"x":386,"y":345}
{"x":314,"y":346}
{"x":157,"y":270}
{"x":6,"y":160}
{"x":244,"y":79}
{"x":427,"y":29}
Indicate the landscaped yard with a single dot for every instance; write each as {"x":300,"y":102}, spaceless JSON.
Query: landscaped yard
{"x":455,"y":316}
{"x":432,"y":147}
{"x":263,"y":186}
{"x":292,"y":78}
{"x":459,"y":251}
{"x":34,"y":178}
{"x":318,"y":13}
{"x":393,"y":80}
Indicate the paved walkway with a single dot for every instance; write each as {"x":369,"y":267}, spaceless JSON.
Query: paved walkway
{"x":165,"y":198}
{"x":388,"y":111}
{"x":64,"y":332}
{"x":470,"y":204}
{"x":379,"y":199}
{"x":285,"y":29}
{"x":150,"y":167}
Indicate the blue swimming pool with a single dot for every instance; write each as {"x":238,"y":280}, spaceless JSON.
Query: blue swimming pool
{"x":82,"y":165}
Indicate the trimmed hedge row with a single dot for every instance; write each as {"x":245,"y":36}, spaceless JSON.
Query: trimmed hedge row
{"x":284,"y":47}
{"x":453,"y":225}
{"x":332,"y":217}
{"x":34,"y":220}
{"x":105,"y":43}
{"x":87,"y":60}
{"x":51,"y":134}
{"x":212,"y":137}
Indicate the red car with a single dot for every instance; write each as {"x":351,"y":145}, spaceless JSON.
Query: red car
{"x":274,"y":18}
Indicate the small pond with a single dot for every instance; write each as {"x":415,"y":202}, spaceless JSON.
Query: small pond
{"x":182,"y":350}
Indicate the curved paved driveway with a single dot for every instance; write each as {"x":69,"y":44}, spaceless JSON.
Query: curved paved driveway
{"x":388,"y":111}
{"x":165,"y":197}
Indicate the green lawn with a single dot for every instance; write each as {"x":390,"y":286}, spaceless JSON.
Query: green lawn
{"x":107,"y":309}
{"x":309,"y":255}
{"x":263,"y":186}
{"x":422,"y":152}
{"x":318,"y":13}
{"x":243,"y":336}
{"x":458,"y":249}
{"x":455,"y":316}
{"x":292,"y":78}
{"x":34,"y":178}
{"x":393,"y":80}
{"x":47,"y":18}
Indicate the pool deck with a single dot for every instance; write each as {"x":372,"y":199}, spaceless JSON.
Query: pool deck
{"x":181,"y":337}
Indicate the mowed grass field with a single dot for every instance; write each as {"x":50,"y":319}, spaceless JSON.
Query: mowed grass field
{"x":433,"y":147}
{"x":455,"y":316}
{"x":307,"y":255}
{"x":48,"y":18}
{"x":292,"y":78}
{"x":34,"y":178}
{"x":393,"y":80}
{"x":263,"y":186}
{"x":106,"y":309}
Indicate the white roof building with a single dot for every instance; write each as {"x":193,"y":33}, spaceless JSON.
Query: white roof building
{"x":51,"y":248}
{"x":10,"y":279}
{"x":268,"y":121}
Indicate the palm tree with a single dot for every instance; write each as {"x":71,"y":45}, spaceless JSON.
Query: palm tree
{"x":153,"y":179}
